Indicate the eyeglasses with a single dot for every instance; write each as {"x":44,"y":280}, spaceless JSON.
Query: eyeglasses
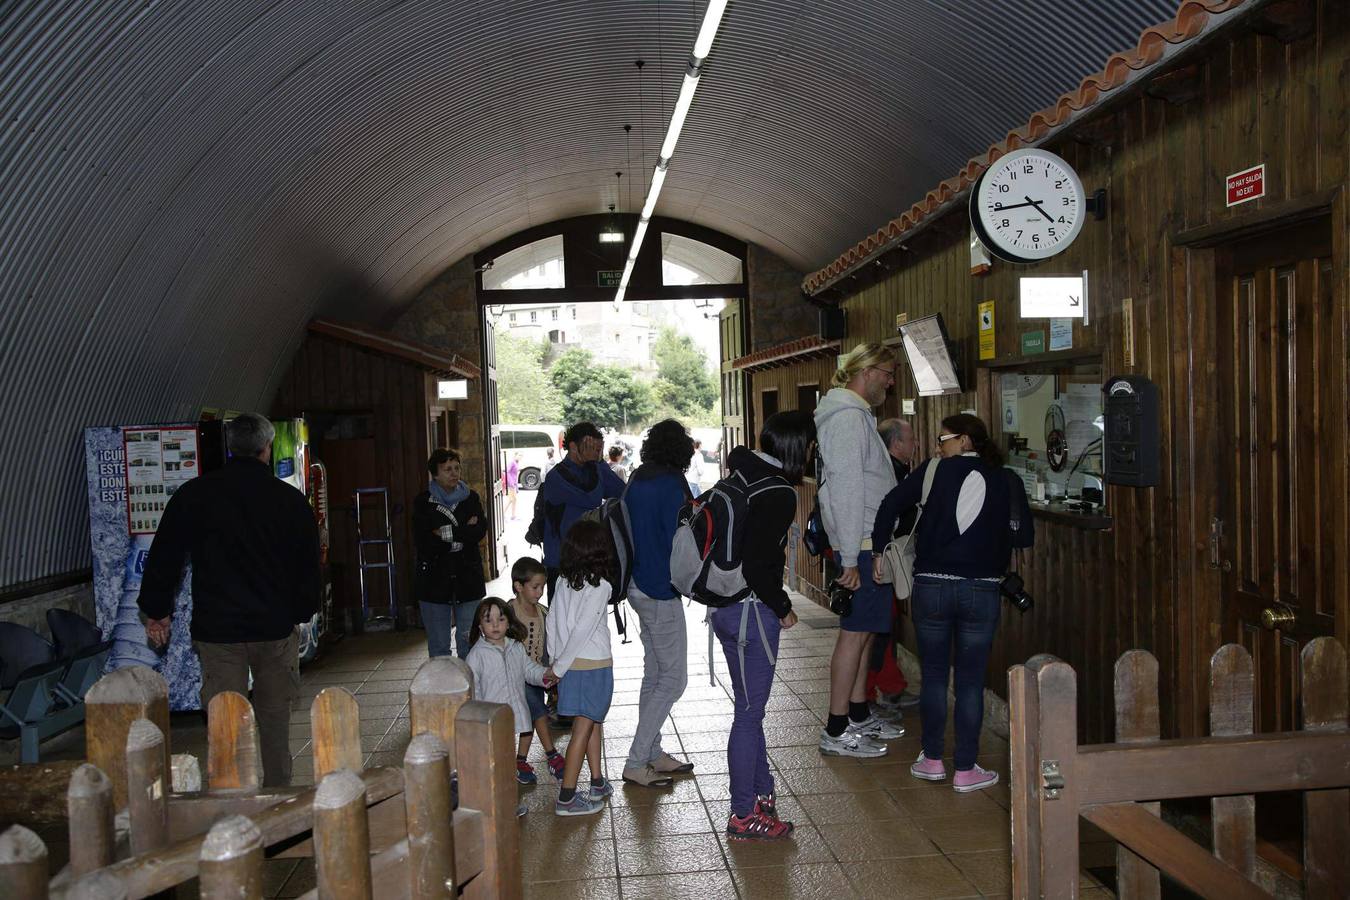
{"x":889,"y":373}
{"x":944,"y":438}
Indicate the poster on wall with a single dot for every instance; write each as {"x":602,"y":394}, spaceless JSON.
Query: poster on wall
{"x":987,"y":330}
{"x":118,"y":554}
{"x":158,"y":461}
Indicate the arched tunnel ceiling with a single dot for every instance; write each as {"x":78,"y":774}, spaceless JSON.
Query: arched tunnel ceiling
{"x":184,"y":184}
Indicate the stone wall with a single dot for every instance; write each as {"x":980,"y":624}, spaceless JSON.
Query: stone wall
{"x":445,"y":315}
{"x":32,"y":611}
{"x":778,"y":311}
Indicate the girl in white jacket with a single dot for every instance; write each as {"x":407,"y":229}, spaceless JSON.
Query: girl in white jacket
{"x":499,"y":663}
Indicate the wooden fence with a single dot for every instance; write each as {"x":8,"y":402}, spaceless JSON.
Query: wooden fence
{"x":389,"y":832}
{"x":1118,"y":786}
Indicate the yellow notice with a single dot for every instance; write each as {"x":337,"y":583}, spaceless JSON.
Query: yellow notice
{"x":987,"y":329}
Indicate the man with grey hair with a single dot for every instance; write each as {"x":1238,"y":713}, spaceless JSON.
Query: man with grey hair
{"x":885,"y":682}
{"x":898,"y":436}
{"x":254,"y":547}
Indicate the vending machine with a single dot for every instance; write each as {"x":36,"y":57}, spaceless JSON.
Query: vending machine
{"x":132,"y":471}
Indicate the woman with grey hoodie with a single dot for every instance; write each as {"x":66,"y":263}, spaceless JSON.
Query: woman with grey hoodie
{"x":856,"y":474}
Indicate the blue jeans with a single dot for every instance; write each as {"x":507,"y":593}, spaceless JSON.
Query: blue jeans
{"x":747,"y":754}
{"x":964,"y":611}
{"x":440,"y":618}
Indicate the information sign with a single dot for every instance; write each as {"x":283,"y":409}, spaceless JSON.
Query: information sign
{"x":1249,"y":184}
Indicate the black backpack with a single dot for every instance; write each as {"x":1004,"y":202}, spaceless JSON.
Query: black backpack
{"x":705,"y":557}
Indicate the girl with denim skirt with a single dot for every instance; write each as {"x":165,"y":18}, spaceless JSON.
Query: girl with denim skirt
{"x":749,"y":630}
{"x":578,"y":629}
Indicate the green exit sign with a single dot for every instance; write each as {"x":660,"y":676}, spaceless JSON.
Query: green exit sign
{"x":608,"y":277}
{"x":1033,"y":342}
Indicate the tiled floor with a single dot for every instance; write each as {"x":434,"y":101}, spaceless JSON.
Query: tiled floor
{"x":864,"y":828}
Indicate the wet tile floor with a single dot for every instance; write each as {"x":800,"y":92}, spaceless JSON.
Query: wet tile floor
{"x":864,"y":828}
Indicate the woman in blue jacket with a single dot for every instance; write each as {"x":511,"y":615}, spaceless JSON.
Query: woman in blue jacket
{"x":965,"y":539}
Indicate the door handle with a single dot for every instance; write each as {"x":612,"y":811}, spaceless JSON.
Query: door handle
{"x":1216,"y":560}
{"x":1277,"y":617}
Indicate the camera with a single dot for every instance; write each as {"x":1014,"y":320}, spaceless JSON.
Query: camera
{"x":841,"y":600}
{"x":1014,"y":589}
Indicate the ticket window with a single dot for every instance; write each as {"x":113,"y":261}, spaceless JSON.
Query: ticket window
{"x":1049,"y":422}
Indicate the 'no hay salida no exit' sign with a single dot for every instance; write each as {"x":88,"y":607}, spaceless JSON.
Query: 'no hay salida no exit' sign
{"x":1249,"y":184}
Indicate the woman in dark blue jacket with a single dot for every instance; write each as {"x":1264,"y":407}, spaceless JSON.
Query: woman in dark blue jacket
{"x":964,"y":541}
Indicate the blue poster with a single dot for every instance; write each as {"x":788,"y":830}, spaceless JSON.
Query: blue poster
{"x":119,"y":561}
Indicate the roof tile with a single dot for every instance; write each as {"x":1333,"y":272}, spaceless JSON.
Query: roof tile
{"x":1189,"y":23}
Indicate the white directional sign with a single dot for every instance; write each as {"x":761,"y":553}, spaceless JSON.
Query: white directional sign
{"x":1054,"y":297}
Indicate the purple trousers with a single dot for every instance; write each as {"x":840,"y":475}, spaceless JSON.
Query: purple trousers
{"x":747,"y":756}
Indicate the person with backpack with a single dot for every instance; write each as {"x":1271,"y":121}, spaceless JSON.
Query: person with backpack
{"x":856,"y":474}
{"x":577,"y":485}
{"x":749,"y":630}
{"x":965,"y":538}
{"x":656,"y":493}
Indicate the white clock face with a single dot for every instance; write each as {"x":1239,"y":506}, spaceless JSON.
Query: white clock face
{"x":1028,"y":205}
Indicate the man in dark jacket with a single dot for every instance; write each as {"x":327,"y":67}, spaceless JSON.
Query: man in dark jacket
{"x":254,"y":547}
{"x":884,"y":673}
{"x":572,"y":488}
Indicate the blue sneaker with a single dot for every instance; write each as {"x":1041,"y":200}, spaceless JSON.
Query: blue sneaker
{"x":581,"y":804}
{"x":525,"y":772}
{"x":602,"y":791}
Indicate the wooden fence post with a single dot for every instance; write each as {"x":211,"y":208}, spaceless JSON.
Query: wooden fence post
{"x":342,"y":837}
{"x":231,"y":861}
{"x":1024,"y":780}
{"x":97,"y":885}
{"x":335,"y":726}
{"x":89,"y":802}
{"x":1057,"y":784}
{"x":147,"y":788}
{"x":1230,"y":713}
{"x":431,"y":835}
{"x":485,"y":734}
{"x":233,"y":756}
{"x":23,"y":864}
{"x":1137,"y":720}
{"x":111,"y":705}
{"x":441,"y":686}
{"x":1326,"y":814}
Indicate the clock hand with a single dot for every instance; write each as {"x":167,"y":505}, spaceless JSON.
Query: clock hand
{"x":1000,"y":208}
{"x":1039,"y":208}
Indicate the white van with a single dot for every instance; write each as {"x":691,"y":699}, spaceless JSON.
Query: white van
{"x":532,"y":442}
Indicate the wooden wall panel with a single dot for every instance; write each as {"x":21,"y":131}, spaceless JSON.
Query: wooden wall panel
{"x":330,"y":375}
{"x":1146,"y":582}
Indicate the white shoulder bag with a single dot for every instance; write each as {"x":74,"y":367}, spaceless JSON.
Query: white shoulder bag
{"x":897,"y":560}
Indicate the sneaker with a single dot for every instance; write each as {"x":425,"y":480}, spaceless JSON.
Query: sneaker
{"x":928,"y":769}
{"x":525,"y":772}
{"x":851,"y":743}
{"x":887,"y":703}
{"x":877,"y":729}
{"x":646,"y":776}
{"x":908,"y":700}
{"x":556,"y":763}
{"x":766,"y":805}
{"x":581,"y":804}
{"x":669,"y":765}
{"x":602,"y":791}
{"x":756,"y":827}
{"x":973,"y":779}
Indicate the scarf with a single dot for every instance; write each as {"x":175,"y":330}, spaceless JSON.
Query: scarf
{"x":448,"y":499}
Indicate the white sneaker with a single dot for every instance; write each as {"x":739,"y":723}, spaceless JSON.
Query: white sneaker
{"x":851,"y":743}
{"x":877,"y":729}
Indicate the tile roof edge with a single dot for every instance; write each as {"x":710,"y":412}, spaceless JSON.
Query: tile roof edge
{"x":1194,"y":18}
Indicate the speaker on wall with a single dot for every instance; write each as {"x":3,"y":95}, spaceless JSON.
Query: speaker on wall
{"x":832,"y":323}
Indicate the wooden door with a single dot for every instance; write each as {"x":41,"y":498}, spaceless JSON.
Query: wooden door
{"x":1282,"y":394}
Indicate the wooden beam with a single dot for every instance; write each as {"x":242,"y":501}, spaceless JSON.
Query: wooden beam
{"x":1213,"y":767}
{"x":1253,"y":222}
{"x":35,"y":795}
{"x":1181,"y":85}
{"x":1171,"y":851}
{"x":1024,"y":781}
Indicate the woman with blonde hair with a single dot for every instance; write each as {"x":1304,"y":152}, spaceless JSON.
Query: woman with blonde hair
{"x":856,"y":474}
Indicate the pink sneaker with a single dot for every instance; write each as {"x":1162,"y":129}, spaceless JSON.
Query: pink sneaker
{"x":928,"y":769}
{"x":973,"y":779}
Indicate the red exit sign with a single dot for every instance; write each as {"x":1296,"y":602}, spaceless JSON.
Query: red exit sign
{"x":1249,"y":184}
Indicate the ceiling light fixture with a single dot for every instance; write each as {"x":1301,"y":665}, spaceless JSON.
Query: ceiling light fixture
{"x":712,"y":19}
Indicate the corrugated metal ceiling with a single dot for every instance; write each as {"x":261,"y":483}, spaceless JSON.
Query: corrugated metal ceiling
{"x":183,"y":185}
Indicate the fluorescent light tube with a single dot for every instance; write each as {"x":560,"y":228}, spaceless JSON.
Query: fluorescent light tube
{"x":611,"y":237}
{"x":638,"y":234}
{"x":712,"y":18}
{"x":682,"y":104}
{"x":658,"y":179}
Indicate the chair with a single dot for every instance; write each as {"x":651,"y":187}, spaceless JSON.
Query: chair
{"x":80,"y":644}
{"x":32,"y":676}
{"x":71,"y":632}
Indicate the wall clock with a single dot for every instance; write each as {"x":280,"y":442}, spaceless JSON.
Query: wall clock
{"x":1028,"y":206}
